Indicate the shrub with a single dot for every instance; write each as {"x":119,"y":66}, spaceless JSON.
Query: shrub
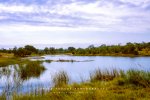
{"x":105,"y":75}
{"x":61,"y":78}
{"x":48,"y":61}
{"x":31,"y":69}
{"x":138,"y":77}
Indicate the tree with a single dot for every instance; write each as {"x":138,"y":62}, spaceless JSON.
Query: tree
{"x":71,"y":49}
{"x":46,"y":50}
{"x":21,"y":52}
{"x":9,"y":51}
{"x":4,"y":50}
{"x":52,"y":50}
{"x":30,"y":48}
{"x":91,"y":46}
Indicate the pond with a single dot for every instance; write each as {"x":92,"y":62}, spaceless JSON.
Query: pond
{"x":82,"y":68}
{"x":86,"y":64}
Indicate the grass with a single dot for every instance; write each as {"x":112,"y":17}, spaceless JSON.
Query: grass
{"x":123,"y":86}
{"x":48,"y":61}
{"x":12,"y":60}
{"x":60,"y":78}
{"x":62,"y":60}
{"x":105,"y":75}
{"x":31,"y":69}
{"x":5,"y":56}
{"x":144,"y":53}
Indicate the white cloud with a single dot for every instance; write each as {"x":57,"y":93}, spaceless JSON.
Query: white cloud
{"x":100,"y":15}
{"x":142,"y":3}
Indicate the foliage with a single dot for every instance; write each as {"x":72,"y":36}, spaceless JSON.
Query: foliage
{"x":105,"y":75}
{"x":31,"y":69}
{"x":61,"y":78}
{"x":116,"y":89}
{"x":129,"y":48}
{"x":71,"y":49}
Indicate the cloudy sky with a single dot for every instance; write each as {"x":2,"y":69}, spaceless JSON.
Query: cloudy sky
{"x":74,"y":22}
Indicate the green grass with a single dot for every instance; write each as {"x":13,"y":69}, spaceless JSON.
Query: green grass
{"x":31,"y":69}
{"x":60,"y":78}
{"x":48,"y":61}
{"x":105,"y":75}
{"x":12,"y":61}
{"x":119,"y":85}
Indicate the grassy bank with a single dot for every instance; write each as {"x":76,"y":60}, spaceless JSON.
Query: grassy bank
{"x":9,"y":59}
{"x":103,"y":85}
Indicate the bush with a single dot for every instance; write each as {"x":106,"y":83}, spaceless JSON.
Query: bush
{"x":121,"y":81}
{"x":61,"y":78}
{"x":136,"y":52}
{"x":138,"y":77}
{"x":48,"y":61}
{"x":31,"y":69}
{"x":105,"y":75}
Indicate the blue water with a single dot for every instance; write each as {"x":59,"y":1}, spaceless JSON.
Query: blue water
{"x":76,"y":70}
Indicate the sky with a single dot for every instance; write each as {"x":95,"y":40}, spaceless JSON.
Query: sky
{"x":76,"y":23}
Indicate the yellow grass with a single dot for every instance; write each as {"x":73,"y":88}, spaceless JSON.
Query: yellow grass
{"x":144,"y":53}
{"x":5,"y":56}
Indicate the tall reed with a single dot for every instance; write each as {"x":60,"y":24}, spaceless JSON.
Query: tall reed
{"x":61,"y":78}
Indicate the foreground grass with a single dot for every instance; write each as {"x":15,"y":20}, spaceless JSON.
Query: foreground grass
{"x":103,"y":85}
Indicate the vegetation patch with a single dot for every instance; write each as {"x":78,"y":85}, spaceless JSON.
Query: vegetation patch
{"x":61,"y":78}
{"x":48,"y":61}
{"x":119,"y":86}
{"x":31,"y":69}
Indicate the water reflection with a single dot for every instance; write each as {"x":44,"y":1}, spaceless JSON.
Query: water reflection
{"x":18,"y":75}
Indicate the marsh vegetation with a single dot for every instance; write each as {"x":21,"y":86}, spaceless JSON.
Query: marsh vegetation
{"x":133,"y":84}
{"x":103,"y":83}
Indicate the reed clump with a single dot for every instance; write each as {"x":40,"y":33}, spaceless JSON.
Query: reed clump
{"x":31,"y":69}
{"x":138,"y":77}
{"x":122,"y":86}
{"x":48,"y":61}
{"x":132,"y":76}
{"x":105,"y":75}
{"x":61,"y":78}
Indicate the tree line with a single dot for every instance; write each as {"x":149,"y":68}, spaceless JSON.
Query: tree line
{"x":28,"y":50}
{"x":129,"y":48}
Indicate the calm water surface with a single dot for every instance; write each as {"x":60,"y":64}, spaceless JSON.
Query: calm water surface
{"x":76,"y":70}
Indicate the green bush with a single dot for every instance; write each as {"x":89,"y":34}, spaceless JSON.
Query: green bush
{"x":31,"y":69}
{"x":105,"y":75}
{"x":61,"y":78}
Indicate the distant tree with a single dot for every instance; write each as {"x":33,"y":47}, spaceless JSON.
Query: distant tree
{"x":41,"y":52}
{"x":60,"y":49}
{"x":71,"y":49}
{"x":9,"y":51}
{"x":4,"y":50}
{"x":52,"y":50}
{"x":103,"y":45}
{"x":46,"y":50}
{"x":37,"y":50}
{"x":21,"y":52}
{"x":91,"y":46}
{"x":30,"y":48}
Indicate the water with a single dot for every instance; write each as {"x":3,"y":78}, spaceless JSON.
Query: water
{"x":76,"y":70}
